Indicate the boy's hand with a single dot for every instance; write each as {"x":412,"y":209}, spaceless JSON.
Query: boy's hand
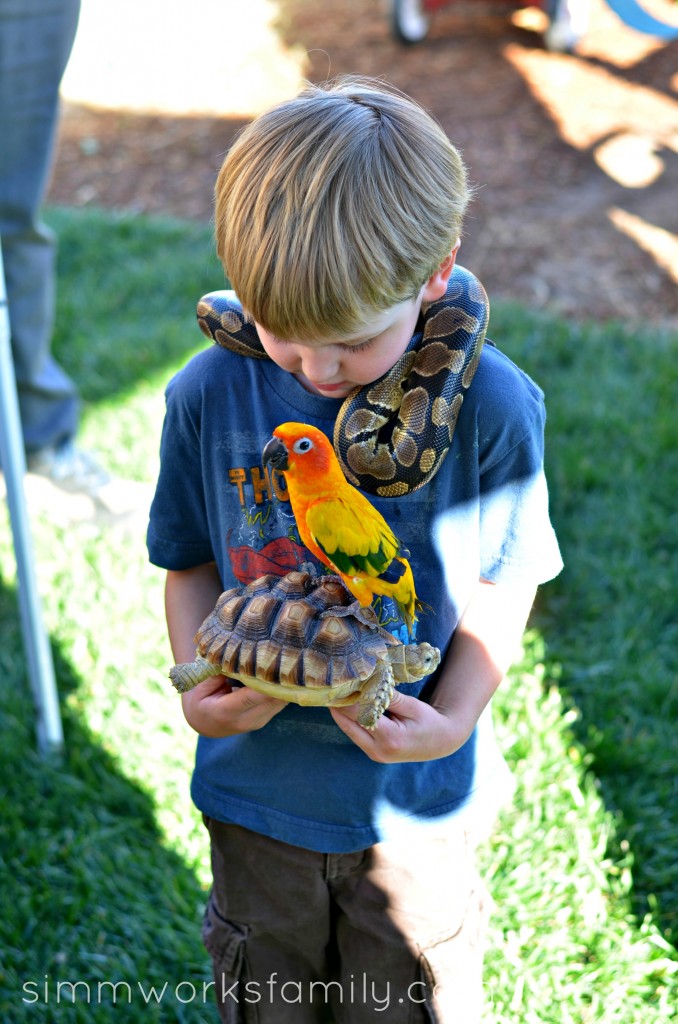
{"x":409,"y":731}
{"x":484,"y":644}
{"x":216,"y":709}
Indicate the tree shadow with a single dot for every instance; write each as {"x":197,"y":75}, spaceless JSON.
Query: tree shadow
{"x":99,"y":916}
{"x":608,"y":620}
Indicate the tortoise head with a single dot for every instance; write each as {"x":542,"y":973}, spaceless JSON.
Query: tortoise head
{"x":411,"y":662}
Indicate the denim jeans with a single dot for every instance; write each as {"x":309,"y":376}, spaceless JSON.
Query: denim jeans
{"x":36,"y":37}
{"x":394,"y":932}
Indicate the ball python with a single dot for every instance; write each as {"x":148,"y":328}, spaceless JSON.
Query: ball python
{"x":391,"y":436}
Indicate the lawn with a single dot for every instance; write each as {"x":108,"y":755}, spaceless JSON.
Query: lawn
{"x":103,"y":856}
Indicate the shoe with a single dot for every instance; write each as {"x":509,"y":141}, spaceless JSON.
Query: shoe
{"x":568,"y":22}
{"x":94,"y":493}
{"x":70,"y":468}
{"x":409,"y":21}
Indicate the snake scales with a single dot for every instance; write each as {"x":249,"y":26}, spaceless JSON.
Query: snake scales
{"x":391,"y":436}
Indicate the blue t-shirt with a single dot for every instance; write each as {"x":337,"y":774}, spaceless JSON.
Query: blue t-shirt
{"x":484,"y":514}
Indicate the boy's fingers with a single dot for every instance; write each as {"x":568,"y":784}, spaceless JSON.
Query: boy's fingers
{"x":210,"y":687}
{"x":388,"y":741}
{"x":227,"y":708}
{"x":406,"y":732}
{"x":253,"y":699}
{"x":222,"y":686}
{"x":346,"y":722}
{"x":400,"y":706}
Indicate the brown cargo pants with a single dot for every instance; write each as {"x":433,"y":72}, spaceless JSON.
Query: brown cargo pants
{"x":388,"y":933}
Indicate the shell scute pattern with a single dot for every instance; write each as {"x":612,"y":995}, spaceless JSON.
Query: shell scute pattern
{"x":257,"y":631}
{"x":304,"y":639}
{"x":266,"y":660}
{"x":257,"y":617}
{"x":229,"y":607}
{"x":291,"y":666}
{"x":292,"y":623}
{"x":241,"y":657}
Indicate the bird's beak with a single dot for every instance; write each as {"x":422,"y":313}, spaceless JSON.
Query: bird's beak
{"x":275,"y":452}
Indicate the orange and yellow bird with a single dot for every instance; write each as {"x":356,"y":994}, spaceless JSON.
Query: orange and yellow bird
{"x":337,"y":523}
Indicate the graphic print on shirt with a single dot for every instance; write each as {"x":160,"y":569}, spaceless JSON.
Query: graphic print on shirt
{"x":267,"y":539}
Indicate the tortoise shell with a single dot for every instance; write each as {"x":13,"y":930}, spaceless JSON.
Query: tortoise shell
{"x":294,"y":630}
{"x":304,"y":639}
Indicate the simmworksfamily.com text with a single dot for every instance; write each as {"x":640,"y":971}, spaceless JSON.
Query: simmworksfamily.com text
{"x":358,"y":990}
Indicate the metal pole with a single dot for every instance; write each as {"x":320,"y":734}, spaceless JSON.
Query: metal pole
{"x":38,"y":652}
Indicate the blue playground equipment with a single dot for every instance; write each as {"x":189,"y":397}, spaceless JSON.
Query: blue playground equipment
{"x":635,"y":16}
{"x":410,"y":20}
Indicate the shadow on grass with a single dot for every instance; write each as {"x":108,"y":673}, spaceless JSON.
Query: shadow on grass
{"x":609,"y":620}
{"x":99,"y":916}
{"x":631,"y":753}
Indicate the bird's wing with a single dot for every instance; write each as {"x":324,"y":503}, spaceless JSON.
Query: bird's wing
{"x":354,"y":537}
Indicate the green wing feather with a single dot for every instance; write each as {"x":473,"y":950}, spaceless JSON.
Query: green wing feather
{"x":354,"y":536}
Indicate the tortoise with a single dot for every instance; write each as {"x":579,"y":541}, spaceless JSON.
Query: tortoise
{"x":304,"y":639}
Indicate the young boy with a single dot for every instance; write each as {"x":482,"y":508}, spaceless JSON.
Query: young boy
{"x":342,"y":858}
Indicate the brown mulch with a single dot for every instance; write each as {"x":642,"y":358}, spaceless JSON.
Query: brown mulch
{"x":551,"y":225}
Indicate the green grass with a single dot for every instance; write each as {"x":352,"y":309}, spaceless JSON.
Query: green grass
{"x":610,"y":621}
{"x":103,"y":857}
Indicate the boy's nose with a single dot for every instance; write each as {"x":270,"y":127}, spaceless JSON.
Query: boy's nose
{"x":318,"y":364}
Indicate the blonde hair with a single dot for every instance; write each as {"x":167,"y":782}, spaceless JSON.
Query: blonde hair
{"x":336,"y":205}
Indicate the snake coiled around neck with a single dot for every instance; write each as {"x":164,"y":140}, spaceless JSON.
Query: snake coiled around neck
{"x":391,"y":436}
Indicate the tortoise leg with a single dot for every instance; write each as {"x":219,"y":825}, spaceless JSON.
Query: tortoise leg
{"x":354,"y":610}
{"x":185,"y":677}
{"x":376,"y":695}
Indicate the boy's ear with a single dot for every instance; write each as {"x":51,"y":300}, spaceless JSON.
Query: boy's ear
{"x":436,"y":286}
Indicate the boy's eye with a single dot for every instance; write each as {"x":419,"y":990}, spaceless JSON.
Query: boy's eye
{"x":359,"y":348}
{"x":348,"y":348}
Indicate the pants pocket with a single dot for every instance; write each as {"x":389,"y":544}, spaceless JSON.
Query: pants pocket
{"x":451,"y":969}
{"x":226,"y":943}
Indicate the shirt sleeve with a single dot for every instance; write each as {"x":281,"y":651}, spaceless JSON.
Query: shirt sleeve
{"x":178,"y":533}
{"x":518,"y":542}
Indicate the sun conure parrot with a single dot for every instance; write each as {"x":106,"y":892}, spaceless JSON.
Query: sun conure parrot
{"x":337,"y":523}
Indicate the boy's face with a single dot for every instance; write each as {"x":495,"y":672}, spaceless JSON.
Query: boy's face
{"x":332,"y":367}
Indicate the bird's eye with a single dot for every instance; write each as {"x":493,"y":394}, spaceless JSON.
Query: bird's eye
{"x":302,"y":446}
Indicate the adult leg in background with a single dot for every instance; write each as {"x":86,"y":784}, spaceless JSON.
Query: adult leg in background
{"x":36,"y":37}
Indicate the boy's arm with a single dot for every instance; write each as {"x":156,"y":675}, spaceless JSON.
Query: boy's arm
{"x":482,"y":650}
{"x":212,"y":708}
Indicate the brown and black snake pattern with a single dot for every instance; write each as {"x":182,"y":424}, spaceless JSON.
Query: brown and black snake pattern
{"x":391,"y":436}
